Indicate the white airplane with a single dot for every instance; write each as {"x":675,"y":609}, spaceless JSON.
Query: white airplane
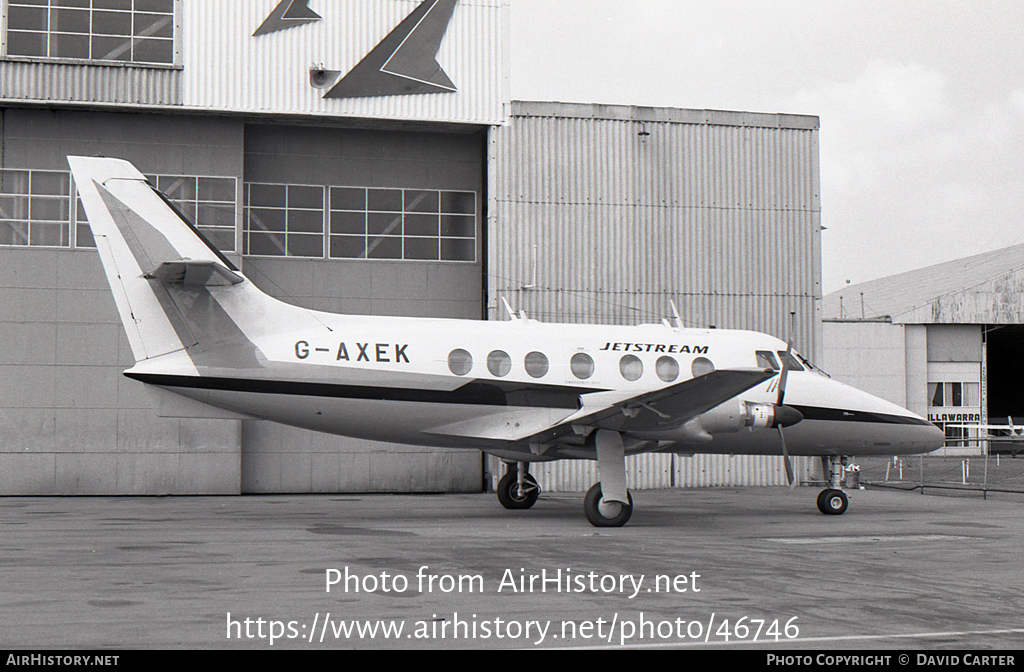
{"x":1008,"y":438}
{"x":520,"y":390}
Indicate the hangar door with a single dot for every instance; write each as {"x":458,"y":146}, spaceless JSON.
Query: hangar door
{"x":1005,"y":395}
{"x":362,"y":221}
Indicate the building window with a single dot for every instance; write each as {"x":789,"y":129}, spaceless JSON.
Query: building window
{"x":120,"y":31}
{"x":207,"y":202}
{"x":284,"y":220}
{"x":409,"y":224}
{"x":952,"y":395}
{"x":362,"y":223}
{"x":35,"y":208}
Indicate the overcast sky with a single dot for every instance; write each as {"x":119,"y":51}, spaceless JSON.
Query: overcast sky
{"x":921,"y":103}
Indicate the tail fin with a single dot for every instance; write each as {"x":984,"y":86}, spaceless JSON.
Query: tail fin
{"x":145,"y":245}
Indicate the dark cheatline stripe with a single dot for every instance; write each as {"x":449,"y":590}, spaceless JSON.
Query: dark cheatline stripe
{"x":840,"y":415}
{"x":473,"y":393}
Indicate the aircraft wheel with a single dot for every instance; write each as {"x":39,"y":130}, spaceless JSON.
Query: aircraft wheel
{"x":833,"y":502}
{"x":606,"y":514}
{"x":512,"y":496}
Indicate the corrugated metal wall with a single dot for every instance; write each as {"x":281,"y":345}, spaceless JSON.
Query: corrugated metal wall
{"x":656,"y":470}
{"x":223,"y":68}
{"x":606,"y":214}
{"x":73,"y":83}
{"x":227,"y":69}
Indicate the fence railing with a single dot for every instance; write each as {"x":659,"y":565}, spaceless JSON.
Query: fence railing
{"x":978,"y":473}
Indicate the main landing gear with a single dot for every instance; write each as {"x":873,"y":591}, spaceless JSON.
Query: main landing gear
{"x":603,"y":513}
{"x":833,"y":501}
{"x":608,"y":502}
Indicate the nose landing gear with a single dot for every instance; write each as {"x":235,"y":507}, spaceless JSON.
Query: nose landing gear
{"x":517,"y":489}
{"x":833,"y":501}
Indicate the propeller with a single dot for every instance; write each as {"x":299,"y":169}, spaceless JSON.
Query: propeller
{"x":780,"y":411}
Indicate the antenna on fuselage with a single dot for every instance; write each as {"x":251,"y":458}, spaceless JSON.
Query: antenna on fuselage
{"x":676,"y":320}
{"x":511,"y":313}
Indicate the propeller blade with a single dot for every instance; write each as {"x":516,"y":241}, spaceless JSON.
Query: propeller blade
{"x":784,"y":374}
{"x":789,"y":462}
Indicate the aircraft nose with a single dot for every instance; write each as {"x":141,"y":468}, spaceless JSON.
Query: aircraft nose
{"x":936,"y":438}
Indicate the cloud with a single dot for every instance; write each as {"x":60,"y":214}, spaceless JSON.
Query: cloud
{"x":1017,"y":100}
{"x":888,"y":110}
{"x":909,"y":178}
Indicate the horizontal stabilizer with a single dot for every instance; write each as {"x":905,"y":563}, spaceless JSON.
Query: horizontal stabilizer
{"x":195,"y":273}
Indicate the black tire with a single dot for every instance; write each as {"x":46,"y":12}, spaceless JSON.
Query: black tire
{"x":833,"y":502}
{"x":509,"y":493}
{"x":592,"y":508}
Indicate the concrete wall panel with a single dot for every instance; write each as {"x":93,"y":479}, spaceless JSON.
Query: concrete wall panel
{"x":70,"y":423}
{"x":86,"y":474}
{"x":27,"y":474}
{"x":868,"y":355}
{"x":285,"y":459}
{"x":27,"y":431}
{"x":85,"y":430}
{"x":954,"y":343}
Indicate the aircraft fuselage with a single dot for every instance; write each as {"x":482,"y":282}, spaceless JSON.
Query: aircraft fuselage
{"x":488,"y":385}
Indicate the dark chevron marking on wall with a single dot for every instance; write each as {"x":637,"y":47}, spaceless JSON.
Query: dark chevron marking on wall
{"x":404,"y":62}
{"x":288,"y":14}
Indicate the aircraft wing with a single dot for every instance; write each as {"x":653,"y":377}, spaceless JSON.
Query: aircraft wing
{"x":659,"y":410}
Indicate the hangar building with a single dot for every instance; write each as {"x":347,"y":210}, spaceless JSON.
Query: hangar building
{"x":360,"y":156}
{"x":943,"y":341}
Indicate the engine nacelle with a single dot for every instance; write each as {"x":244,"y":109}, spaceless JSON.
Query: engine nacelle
{"x":735,"y":414}
{"x":729,"y":418}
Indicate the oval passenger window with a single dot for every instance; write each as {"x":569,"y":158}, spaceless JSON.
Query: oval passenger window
{"x":667,"y":368}
{"x":499,"y":363}
{"x":582,"y":366}
{"x":460,"y":362}
{"x":631,"y":367}
{"x":536,"y":364}
{"x":701,"y":367}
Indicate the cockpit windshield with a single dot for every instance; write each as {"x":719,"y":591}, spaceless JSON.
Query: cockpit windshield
{"x":789,"y":360}
{"x":766,"y":359}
